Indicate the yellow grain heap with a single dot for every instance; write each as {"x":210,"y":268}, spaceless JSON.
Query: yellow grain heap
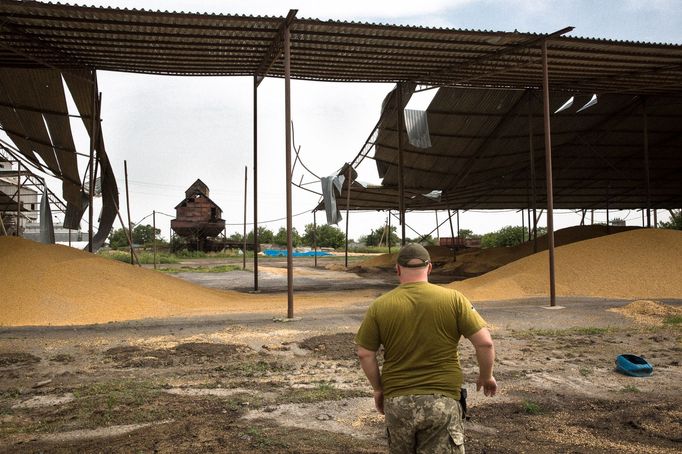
{"x":472,"y":262}
{"x":636,"y":264}
{"x":648,"y":312}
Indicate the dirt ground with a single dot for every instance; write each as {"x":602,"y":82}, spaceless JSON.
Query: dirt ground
{"x":245,"y":382}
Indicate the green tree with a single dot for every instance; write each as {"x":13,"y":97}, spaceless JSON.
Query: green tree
{"x":117,"y":239}
{"x":237,"y":237}
{"x":265,"y":235}
{"x":280,"y":238}
{"x":144,"y":234}
{"x":675,"y":221}
{"x":378,"y":235}
{"x":506,"y":236}
{"x":467,"y":234}
{"x":326,"y":235}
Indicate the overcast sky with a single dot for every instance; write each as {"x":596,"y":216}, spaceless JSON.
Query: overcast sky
{"x":173,"y":130}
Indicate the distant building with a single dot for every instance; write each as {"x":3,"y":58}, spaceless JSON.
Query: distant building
{"x":27,"y":202}
{"x":198,"y":218}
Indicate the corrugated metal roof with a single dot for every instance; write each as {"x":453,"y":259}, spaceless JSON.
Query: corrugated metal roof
{"x":480,"y":154}
{"x":68,"y":37}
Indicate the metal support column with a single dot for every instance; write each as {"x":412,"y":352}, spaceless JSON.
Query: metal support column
{"x":452,"y":234}
{"x":531,"y":148}
{"x":348,"y":180}
{"x":287,"y":137}
{"x":401,"y":182}
{"x":18,"y":224}
{"x":548,"y":167}
{"x":315,"y":236}
{"x":130,"y":224}
{"x":389,"y":231}
{"x":256,"y":246}
{"x":91,"y":165}
{"x":646,"y":163}
{"x":246,"y":177}
{"x":154,"y":233}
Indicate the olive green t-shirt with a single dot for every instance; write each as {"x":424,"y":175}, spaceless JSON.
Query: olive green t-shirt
{"x":419,"y":324}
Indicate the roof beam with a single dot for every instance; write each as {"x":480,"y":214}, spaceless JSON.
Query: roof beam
{"x":276,"y":48}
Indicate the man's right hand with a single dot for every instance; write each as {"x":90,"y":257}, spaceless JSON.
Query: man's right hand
{"x":489,"y":385}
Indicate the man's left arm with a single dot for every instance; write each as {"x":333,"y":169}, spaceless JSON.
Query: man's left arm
{"x":370,"y":366}
{"x":485,"y":355}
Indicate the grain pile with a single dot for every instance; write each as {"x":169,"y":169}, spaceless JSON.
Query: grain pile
{"x":474,"y":262}
{"x":649,"y":312}
{"x":57,"y":285}
{"x":636,"y":264}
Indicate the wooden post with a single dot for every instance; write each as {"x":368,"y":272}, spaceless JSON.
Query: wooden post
{"x":154,"y":234}
{"x":245,"y":189}
{"x":548,"y":171}
{"x":130,"y":225}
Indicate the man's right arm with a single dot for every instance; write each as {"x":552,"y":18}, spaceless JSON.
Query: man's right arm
{"x":485,"y":354}
{"x":368,"y":362}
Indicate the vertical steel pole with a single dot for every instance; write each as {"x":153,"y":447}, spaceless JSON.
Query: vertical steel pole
{"x":287,"y":121}
{"x":646,"y":164}
{"x":437,"y":226}
{"x":655,"y":218}
{"x":245,"y":190}
{"x":608,"y":220}
{"x":130,"y":224}
{"x":452,"y":234}
{"x":523,"y":227}
{"x":389,"y":231}
{"x":154,"y":234}
{"x":348,"y":178}
{"x":91,"y":166}
{"x":458,"y":234}
{"x":256,"y":246}
{"x":533,"y":195}
{"x":401,"y":176}
{"x":548,"y":167}
{"x":315,"y":236}
{"x":18,"y":198}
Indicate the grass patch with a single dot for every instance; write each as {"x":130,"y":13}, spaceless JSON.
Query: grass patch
{"x":630,"y":389}
{"x":116,"y":402}
{"x":530,"y":407}
{"x":259,"y":439}
{"x":202,"y":269}
{"x":673,"y":320}
{"x":323,"y":391}
{"x":146,"y":258}
{"x":584,"y":371}
{"x":575,"y":331}
{"x":252,"y":369}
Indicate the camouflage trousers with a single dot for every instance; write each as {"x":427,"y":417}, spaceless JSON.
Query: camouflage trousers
{"x":428,"y":424}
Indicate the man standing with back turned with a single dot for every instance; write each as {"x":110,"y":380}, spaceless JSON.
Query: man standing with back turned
{"x":420,"y":324}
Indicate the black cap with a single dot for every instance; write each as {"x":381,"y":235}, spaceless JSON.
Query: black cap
{"x":413,"y":251}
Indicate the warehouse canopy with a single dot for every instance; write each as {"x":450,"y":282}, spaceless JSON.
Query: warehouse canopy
{"x":479,"y":131}
{"x":481,"y":145}
{"x":74,"y":37}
